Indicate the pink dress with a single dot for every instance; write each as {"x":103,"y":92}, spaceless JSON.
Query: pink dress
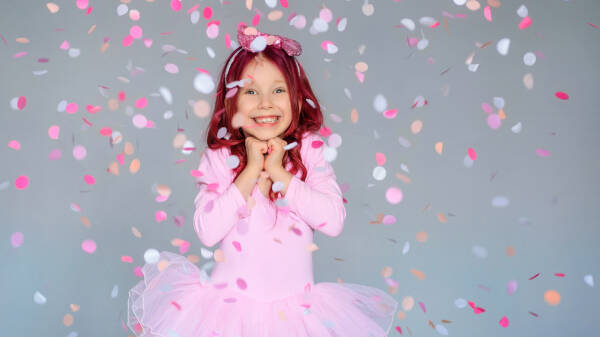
{"x":262,"y":281}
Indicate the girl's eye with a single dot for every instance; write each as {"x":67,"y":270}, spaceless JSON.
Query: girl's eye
{"x":249,"y":90}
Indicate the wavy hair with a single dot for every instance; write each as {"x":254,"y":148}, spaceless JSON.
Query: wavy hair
{"x":308,"y":118}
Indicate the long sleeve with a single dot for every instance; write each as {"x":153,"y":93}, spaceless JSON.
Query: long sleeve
{"x":218,"y":201}
{"x":317,"y":200}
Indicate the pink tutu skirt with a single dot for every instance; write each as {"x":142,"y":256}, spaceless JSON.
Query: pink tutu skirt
{"x":179,"y":301}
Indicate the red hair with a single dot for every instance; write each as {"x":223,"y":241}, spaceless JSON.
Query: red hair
{"x":308,"y":118}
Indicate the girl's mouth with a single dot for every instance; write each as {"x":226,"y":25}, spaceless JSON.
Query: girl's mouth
{"x":266,"y":122}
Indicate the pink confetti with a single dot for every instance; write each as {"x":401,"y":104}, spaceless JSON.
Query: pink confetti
{"x":106,"y":131}
{"x":148,"y":43}
{"x":207,"y":13}
{"x":231,"y":92}
{"x":176,"y":5}
{"x":89,"y":179}
{"x":593,"y":25}
{"x":526,"y":22}
{"x":284,"y":3}
{"x":141,"y":103}
{"x":533,"y":314}
{"x":19,"y":55}
{"x":360,"y":76}
{"x":559,"y":274}
{"x":393,"y":195}
{"x":472,"y":154}
{"x":14,"y":144}
{"x":72,"y":108}
{"x":137,"y":271}
{"x":93,"y":109}
{"x":54,"y":154}
{"x":79,"y":152}
{"x":227,"y":41}
{"x":542,"y":152}
{"x":127,"y":259}
{"x":487,"y":13}
{"x":487,"y":108}
{"x":504,"y":322}
{"x":494,"y":121}
{"x":422,"y":305}
{"x":135,"y":32}
{"x":561,"y":95}
{"x":241,"y":283}
{"x":16,"y":239}
{"x":316,"y":144}
{"x":127,"y":41}
{"x":534,"y":276}
{"x":255,"y":20}
{"x":88,"y":246}
{"x":82,"y":4}
{"x":380,"y":158}
{"x":176,"y":305}
{"x":64,"y":45}
{"x":237,"y":246}
{"x":21,"y":102}
{"x":160,"y":216}
{"x":391,"y":113}
{"x":21,"y":182}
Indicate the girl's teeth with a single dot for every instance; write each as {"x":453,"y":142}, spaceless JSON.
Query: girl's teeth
{"x":266,"y":120}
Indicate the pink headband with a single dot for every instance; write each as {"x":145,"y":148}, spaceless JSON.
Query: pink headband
{"x":254,"y":41}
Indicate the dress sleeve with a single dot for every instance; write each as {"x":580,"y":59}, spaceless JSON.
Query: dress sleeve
{"x":317,"y":200}
{"x":219,"y":203}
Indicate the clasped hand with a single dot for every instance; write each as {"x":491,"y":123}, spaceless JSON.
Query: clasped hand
{"x":266,"y":155}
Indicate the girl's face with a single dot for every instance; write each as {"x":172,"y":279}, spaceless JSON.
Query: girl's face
{"x":266,"y":95}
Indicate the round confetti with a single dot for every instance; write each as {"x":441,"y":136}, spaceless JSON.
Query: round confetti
{"x":16,"y":239}
{"x":552,"y":297}
{"x":151,"y":256}
{"x":88,"y":246}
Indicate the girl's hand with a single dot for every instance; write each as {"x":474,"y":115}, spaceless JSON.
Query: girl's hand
{"x":276,"y":152}
{"x":255,"y":149}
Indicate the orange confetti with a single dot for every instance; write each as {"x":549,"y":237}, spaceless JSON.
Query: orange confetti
{"x":418,"y":274}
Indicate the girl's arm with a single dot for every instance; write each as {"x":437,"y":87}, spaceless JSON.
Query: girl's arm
{"x":219,"y":203}
{"x":317,"y":200}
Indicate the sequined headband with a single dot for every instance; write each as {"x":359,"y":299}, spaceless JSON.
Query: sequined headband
{"x":254,"y":41}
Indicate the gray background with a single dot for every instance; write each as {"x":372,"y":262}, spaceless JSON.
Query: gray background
{"x":552,"y":200}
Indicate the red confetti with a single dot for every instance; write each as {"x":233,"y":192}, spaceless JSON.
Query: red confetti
{"x":533,"y":313}
{"x":559,"y":274}
{"x":534,"y":276}
{"x":562,"y":95}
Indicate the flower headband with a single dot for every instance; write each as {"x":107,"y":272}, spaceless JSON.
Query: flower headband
{"x":254,"y":41}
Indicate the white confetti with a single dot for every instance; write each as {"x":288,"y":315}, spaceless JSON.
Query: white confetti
{"x":517,"y":128}
{"x":408,"y":23}
{"x":203,"y":83}
{"x":151,"y":256}
{"x":115,"y":291}
{"x":522,"y":11}
{"x":529,"y":59}
{"x":503,"y":46}
{"x":277,"y":186}
{"x":380,"y":103}
{"x":500,"y":201}
{"x":480,"y":252}
{"x":39,"y":298}
{"x":205,"y":253}
{"x":460,"y":303}
{"x":233,"y":161}
{"x":166,"y":94}
{"x":122,"y":9}
{"x":406,"y":248}
{"x":441,"y":329}
{"x":589,"y":280}
{"x":379,"y":173}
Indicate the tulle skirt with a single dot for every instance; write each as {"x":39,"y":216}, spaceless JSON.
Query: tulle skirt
{"x":175,"y":300}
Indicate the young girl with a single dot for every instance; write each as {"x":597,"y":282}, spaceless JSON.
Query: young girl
{"x":265,"y":187}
